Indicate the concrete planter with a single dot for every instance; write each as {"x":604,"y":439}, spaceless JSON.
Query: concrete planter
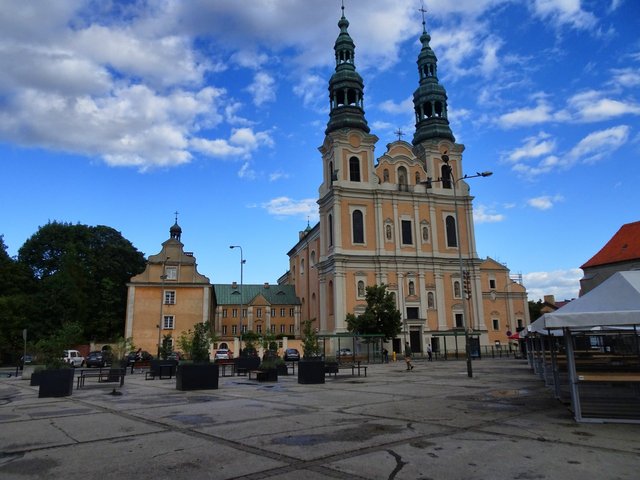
{"x":197,"y":376}
{"x":310,"y":371}
{"x":55,"y":383}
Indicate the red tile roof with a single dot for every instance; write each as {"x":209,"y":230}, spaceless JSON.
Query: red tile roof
{"x":623,"y":246}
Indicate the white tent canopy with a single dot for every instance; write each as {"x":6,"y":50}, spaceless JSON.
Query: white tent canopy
{"x":615,"y":302}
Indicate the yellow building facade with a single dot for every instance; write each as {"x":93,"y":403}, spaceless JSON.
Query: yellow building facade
{"x":169,"y":297}
{"x":403,"y":219}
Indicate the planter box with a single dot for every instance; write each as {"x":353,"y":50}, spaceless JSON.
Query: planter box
{"x":163,"y":368}
{"x":55,"y":383}
{"x":246,"y":364}
{"x":310,"y":372}
{"x":282,"y":369}
{"x":197,"y":376}
{"x":268,"y":375}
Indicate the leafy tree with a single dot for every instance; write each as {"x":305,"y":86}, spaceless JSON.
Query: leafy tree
{"x":535,"y":309}
{"x":310,"y":343}
{"x":380,"y":316}
{"x":81,"y":273}
{"x":196,"y":343}
{"x":165,"y":346}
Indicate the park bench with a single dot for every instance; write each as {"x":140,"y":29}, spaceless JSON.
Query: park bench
{"x":110,"y":375}
{"x":331,"y":368}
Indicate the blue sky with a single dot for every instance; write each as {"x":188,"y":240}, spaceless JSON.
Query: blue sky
{"x":120,"y":113}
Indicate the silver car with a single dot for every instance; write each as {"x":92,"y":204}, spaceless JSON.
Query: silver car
{"x":73,"y":358}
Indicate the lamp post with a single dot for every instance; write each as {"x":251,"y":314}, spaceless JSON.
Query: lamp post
{"x":242,"y":260}
{"x":454,"y":181}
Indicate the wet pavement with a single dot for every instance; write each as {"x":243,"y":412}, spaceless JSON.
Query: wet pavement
{"x":431,"y":423}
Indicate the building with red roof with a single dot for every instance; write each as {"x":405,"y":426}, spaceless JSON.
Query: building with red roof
{"x":621,"y":253}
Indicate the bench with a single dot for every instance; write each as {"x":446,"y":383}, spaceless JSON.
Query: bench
{"x":259,"y":374}
{"x":609,"y":377}
{"x":103,"y":376}
{"x":224,"y":366}
{"x":331,"y":368}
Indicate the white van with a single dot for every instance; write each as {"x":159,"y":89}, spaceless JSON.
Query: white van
{"x":73,"y":358}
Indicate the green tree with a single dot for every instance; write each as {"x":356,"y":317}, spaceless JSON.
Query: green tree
{"x":535,"y":309}
{"x":380,"y":316}
{"x":310,"y":342}
{"x":81,"y":274}
{"x":17,"y":287}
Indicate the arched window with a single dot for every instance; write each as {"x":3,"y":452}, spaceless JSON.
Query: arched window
{"x":430,"y":300}
{"x":358,"y":226}
{"x":330,"y":221}
{"x":360,"y":288}
{"x":331,"y":172}
{"x":452,"y":237}
{"x":402,"y":176}
{"x":354,"y":169}
{"x":446,"y":176}
{"x":302,"y":267}
{"x":412,"y":288}
{"x":312,"y":258}
{"x":456,"y":289}
{"x":417,"y":178}
{"x":385,"y":175}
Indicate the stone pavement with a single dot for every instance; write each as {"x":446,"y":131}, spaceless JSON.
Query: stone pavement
{"x":431,"y":423}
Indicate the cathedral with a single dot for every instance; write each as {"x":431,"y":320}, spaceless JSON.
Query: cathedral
{"x":403,"y":219}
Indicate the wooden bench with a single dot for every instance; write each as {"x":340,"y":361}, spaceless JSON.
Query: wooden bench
{"x":331,"y":368}
{"x":103,"y":376}
{"x":609,"y":377}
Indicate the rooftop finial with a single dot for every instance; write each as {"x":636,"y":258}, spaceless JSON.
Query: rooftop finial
{"x":176,"y":214}
{"x":342,"y":8}
{"x":423,"y":10}
{"x":400,"y":134}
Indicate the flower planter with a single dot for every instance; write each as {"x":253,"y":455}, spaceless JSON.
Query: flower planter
{"x":268,"y":375}
{"x":282,"y":369}
{"x":311,"y":371}
{"x":55,"y":383}
{"x":163,"y":368}
{"x":197,"y":376}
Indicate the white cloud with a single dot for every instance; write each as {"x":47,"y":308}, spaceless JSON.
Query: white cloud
{"x":389,"y":106}
{"x":533,"y":147}
{"x":563,"y":284}
{"x":625,"y":77}
{"x":263,"y":88}
{"x":482,"y":214}
{"x":591,"y":106}
{"x":599,"y":144}
{"x":544,"y":202}
{"x":312,"y":88}
{"x":286,"y":207}
{"x":250,"y":59}
{"x":564,"y":12}
{"x":274,"y":176}
{"x":241,"y":143}
{"x":247,"y":172}
{"x":541,"y":113}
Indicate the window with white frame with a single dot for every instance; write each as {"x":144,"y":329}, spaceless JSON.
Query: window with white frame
{"x":259,"y":312}
{"x":492,"y":283}
{"x":282,"y":328}
{"x":361,"y":290}
{"x":273,"y":312}
{"x":224,"y":313}
{"x":357,"y":226}
{"x":234,"y":313}
{"x":292,"y":328}
{"x":168,"y":322}
{"x":407,"y":232}
{"x":224,"y":329}
{"x":258,"y":328}
{"x":456,"y":289}
{"x":171,"y":273}
{"x":291,"y":312}
{"x":244,"y":329}
{"x":169,"y":297}
{"x":234,"y":329}
{"x":273,"y":329}
{"x":282,"y":312}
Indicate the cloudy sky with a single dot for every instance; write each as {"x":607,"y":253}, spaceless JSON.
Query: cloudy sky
{"x":120,"y":113}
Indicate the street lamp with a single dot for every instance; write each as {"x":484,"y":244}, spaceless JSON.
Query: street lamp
{"x":449,"y":170}
{"x":242,"y":260}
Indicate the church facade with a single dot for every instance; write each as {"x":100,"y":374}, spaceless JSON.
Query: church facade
{"x":403,"y":219}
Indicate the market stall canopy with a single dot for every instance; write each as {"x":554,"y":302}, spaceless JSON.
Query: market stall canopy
{"x":615,"y":302}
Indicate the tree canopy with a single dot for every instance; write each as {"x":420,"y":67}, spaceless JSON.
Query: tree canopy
{"x":66,"y":273}
{"x":380,"y":316}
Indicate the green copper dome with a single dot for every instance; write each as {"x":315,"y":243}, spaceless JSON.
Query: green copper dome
{"x":346,"y":86}
{"x":430,"y":98}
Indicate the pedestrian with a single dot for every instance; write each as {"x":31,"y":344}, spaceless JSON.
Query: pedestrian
{"x":136,"y":358}
{"x":429,"y":352}
{"x":385,"y":355}
{"x":407,"y":356}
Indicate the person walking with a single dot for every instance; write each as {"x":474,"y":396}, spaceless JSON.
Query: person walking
{"x":407,"y":356}
{"x":385,"y":355}
{"x":429,"y":352}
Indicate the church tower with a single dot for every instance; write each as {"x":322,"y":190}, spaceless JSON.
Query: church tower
{"x":404,"y":220}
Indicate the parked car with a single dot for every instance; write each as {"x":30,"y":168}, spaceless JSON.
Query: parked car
{"x":144,"y":356}
{"x":345,"y":352}
{"x":26,"y":360}
{"x":73,"y":358}
{"x":291,"y":354}
{"x":174,"y":356}
{"x":223,"y":354}
{"x":98,"y":359}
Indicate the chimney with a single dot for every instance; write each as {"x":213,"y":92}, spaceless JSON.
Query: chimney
{"x":550,"y":299}
{"x":266,"y":284}
{"x":234,"y":285}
